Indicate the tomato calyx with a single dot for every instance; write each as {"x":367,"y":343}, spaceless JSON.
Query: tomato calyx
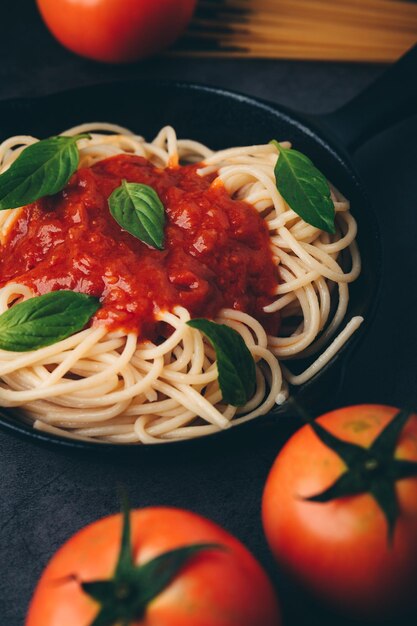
{"x":124,"y":598}
{"x":373,"y":470}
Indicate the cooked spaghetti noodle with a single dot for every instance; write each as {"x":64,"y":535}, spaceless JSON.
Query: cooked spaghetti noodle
{"x":107,"y":384}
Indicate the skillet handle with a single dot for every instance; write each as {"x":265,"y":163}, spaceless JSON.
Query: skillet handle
{"x":390,"y":99}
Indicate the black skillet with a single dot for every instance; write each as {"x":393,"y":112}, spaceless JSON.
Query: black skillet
{"x":221,"y":118}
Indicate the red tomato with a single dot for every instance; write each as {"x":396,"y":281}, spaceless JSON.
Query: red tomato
{"x":216,"y":588}
{"x":339,"y":549}
{"x":116,"y":31}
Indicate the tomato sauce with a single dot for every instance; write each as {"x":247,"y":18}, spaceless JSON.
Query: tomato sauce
{"x":216,"y":251}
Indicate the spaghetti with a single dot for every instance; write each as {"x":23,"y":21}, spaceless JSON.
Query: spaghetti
{"x":347,"y":30}
{"x":107,"y":383}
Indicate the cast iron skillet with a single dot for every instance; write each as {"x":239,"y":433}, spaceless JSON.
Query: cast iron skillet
{"x":220,"y":119}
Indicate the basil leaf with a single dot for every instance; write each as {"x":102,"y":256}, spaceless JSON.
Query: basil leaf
{"x":44,"y":320}
{"x":138,"y":209}
{"x":42,"y":169}
{"x":237,"y":375}
{"x":304,"y":188}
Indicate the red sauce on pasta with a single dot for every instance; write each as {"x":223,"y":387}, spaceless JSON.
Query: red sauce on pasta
{"x":216,"y":252}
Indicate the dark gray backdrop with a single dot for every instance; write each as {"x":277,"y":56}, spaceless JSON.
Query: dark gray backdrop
{"x":46,"y":496}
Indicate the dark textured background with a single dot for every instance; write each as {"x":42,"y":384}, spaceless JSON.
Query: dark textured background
{"x":46,"y":496}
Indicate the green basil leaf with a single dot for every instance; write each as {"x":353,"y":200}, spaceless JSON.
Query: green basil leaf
{"x":42,"y":169}
{"x":304,"y":188}
{"x":44,"y":320}
{"x":138,"y":209}
{"x":237,"y":375}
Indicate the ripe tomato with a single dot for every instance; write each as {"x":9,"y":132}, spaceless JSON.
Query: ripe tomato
{"x":339,"y":549}
{"x":116,"y":31}
{"x":223,"y":586}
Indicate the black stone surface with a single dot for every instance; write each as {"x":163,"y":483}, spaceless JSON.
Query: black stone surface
{"x":45,"y":496}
